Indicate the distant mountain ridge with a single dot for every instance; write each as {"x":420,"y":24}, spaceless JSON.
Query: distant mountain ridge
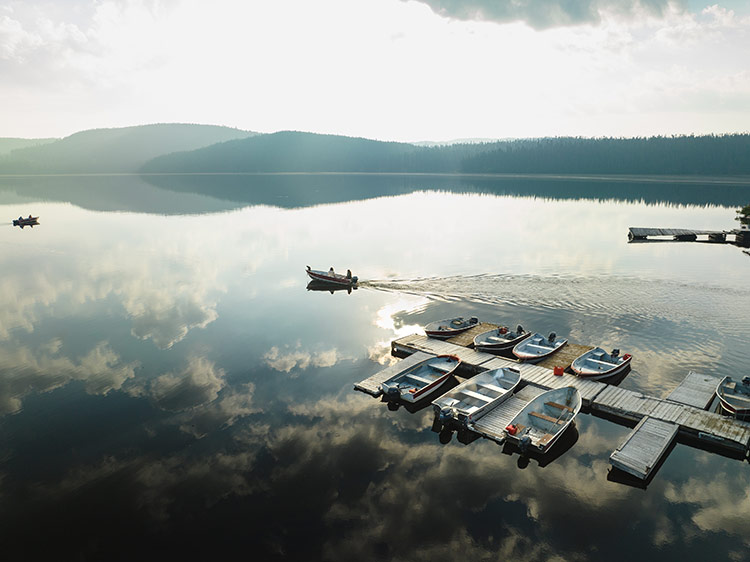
{"x":185,"y":148}
{"x":119,"y":150}
{"x":7,"y":145}
{"x":291,"y":151}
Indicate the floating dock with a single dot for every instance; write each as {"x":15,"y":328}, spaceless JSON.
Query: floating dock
{"x":658,"y":421}
{"x":740,"y":237}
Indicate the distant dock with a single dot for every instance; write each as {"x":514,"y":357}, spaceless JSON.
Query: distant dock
{"x":739,"y":237}
{"x":683,"y":414}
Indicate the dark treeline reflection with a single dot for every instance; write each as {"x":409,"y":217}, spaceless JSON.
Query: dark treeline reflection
{"x":290,"y":190}
{"x":195,"y":194}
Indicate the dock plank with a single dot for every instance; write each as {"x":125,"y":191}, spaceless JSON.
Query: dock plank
{"x":695,"y":390}
{"x":644,"y":447}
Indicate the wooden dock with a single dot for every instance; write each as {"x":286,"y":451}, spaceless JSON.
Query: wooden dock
{"x":739,"y":237}
{"x":681,"y":414}
{"x":644,"y":448}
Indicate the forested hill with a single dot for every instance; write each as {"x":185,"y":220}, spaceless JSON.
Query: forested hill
{"x":308,"y":152}
{"x":114,"y":150}
{"x":290,"y":151}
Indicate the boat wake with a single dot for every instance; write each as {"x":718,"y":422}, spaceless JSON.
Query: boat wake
{"x":611,"y":298}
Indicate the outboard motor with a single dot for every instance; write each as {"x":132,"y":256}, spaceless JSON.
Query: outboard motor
{"x":473,"y":320}
{"x":446,"y":414}
{"x":552,"y":337}
{"x":615,"y":353}
{"x":524,"y":444}
{"x":746,"y":380}
{"x":519,"y":329}
{"x":392,"y":391}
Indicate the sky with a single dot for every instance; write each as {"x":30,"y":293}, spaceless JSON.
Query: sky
{"x":403,"y":70}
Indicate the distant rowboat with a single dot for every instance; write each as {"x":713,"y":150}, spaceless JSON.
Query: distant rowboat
{"x":544,"y":419}
{"x":598,"y":364}
{"x":333,"y":278}
{"x":535,"y":348}
{"x":27,"y":221}
{"x":499,"y":339}
{"x":419,"y":381}
{"x":450,"y":327}
{"x":735,"y":397}
{"x":475,"y":397}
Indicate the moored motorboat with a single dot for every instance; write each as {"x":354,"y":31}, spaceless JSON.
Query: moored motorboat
{"x":450,"y":327}
{"x":734,"y":397}
{"x":535,"y":348}
{"x":598,"y":364}
{"x":26,"y":221}
{"x":477,"y":396}
{"x":332,"y":277}
{"x":419,"y":381}
{"x":500,"y":339}
{"x":544,"y":419}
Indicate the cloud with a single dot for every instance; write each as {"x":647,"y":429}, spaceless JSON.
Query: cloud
{"x":23,"y":370}
{"x":199,"y":383}
{"x":298,"y":359}
{"x":548,"y":14}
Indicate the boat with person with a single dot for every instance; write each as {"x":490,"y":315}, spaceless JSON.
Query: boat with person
{"x":26,"y":221}
{"x":450,"y":327}
{"x":535,"y":348}
{"x":500,"y":339}
{"x":598,"y":364}
{"x":544,"y":419}
{"x":331,"y":277}
{"x":477,"y":396}
{"x":734,"y":397}
{"x":419,"y":381}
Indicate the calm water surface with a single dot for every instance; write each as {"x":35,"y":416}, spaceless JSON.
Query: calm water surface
{"x":169,"y":387}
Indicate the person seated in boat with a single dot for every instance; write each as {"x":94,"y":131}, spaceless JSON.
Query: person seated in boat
{"x":348,"y":273}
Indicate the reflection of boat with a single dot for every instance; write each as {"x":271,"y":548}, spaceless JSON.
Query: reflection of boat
{"x":449,"y":327}
{"x":500,"y":339}
{"x":28,"y":221}
{"x":735,"y":397}
{"x":314,"y":285}
{"x":537,"y":347}
{"x":418,"y":381}
{"x":473,"y":398}
{"x":331,"y":277}
{"x":598,"y":364}
{"x":544,"y":419}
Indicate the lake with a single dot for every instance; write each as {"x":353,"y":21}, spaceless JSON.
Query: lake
{"x":170,"y":388}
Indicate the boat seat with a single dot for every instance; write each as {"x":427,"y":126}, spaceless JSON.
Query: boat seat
{"x":443,"y":368}
{"x":546,"y":417}
{"x":559,"y":406}
{"x":476,"y":395}
{"x":547,"y":347}
{"x":730,"y":397}
{"x":495,"y":338}
{"x":607,"y":363}
{"x":419,"y":379}
{"x":491,"y":387}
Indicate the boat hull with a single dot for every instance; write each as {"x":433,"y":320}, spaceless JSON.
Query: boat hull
{"x":483,"y":343}
{"x":587,"y":367}
{"x":732,"y":402}
{"x":443,"y":329}
{"x":416,"y":383}
{"x":530,"y":352}
{"x":336,"y":279}
{"x":472,"y":399}
{"x":543,"y":420}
